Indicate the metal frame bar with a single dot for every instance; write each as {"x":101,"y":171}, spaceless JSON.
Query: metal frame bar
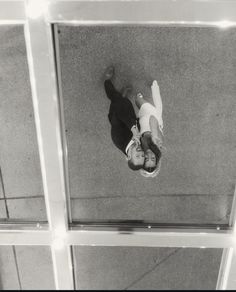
{"x":49,"y":119}
{"x":232,"y":218}
{"x":226,"y":276}
{"x":40,"y":53}
{"x":224,"y":269}
{"x":25,"y":237}
{"x":12,"y":12}
{"x":184,"y":238}
{"x":143,"y":225}
{"x":157,"y":238}
{"x":166,"y":12}
{"x":62,"y":121}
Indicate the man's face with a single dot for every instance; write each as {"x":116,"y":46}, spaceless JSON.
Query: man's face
{"x":136,"y":154}
{"x":150,"y":159}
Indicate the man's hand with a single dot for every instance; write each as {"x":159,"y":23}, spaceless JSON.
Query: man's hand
{"x":135,"y":131}
{"x":136,"y":134}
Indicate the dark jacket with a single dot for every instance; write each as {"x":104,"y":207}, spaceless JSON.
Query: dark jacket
{"x":121,"y":116}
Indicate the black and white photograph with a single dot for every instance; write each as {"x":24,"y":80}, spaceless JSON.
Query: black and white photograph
{"x":117,"y":144}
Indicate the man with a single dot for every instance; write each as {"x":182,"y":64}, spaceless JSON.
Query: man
{"x":151,"y":130}
{"x":122,"y":117}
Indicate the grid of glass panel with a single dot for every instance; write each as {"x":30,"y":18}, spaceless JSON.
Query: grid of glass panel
{"x":195,"y":68}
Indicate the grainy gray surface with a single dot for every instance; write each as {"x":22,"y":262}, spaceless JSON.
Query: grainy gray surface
{"x":27,"y":209}
{"x":30,"y":268}
{"x":35,"y":267}
{"x":2,"y":209}
{"x":124,"y":268}
{"x":8,"y":270}
{"x":19,"y":158}
{"x":196,"y":69}
{"x":178,"y":209}
{"x":1,"y":186}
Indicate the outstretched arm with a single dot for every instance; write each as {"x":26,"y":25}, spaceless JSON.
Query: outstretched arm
{"x":156,"y":135}
{"x":157,"y":102}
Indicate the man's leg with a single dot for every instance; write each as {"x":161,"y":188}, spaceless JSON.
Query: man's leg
{"x":120,"y":106}
{"x":111,"y":92}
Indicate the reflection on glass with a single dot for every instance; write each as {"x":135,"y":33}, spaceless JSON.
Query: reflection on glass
{"x":194,"y":70}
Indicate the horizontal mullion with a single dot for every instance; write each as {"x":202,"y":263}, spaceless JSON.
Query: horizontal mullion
{"x":18,"y":225}
{"x":182,"y":12}
{"x":12,"y":12}
{"x":168,"y":238}
{"x":168,"y":11}
{"x":25,"y":237}
{"x":142,"y":225}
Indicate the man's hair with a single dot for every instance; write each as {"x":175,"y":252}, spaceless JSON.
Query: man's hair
{"x":134,"y":166}
{"x":131,"y":163}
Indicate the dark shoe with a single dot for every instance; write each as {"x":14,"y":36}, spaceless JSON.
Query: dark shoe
{"x":109,"y":73}
{"x":127,"y":91}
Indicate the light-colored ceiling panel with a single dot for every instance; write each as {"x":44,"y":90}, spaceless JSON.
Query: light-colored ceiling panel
{"x":114,"y":268}
{"x":172,"y":209}
{"x":35,"y":267}
{"x":19,"y":157}
{"x":146,"y":268}
{"x":187,"y":269}
{"x":8,"y":270}
{"x":27,"y":208}
{"x":2,"y":209}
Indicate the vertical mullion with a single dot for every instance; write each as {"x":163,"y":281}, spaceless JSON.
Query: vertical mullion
{"x":232,"y":219}
{"x":230,"y":278}
{"x":40,"y":53}
{"x":62,"y":120}
{"x":226,"y":277}
{"x":224,"y":268}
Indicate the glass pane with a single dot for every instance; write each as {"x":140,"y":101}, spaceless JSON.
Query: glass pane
{"x":195,"y":69}
{"x":26,"y":267}
{"x":2,"y":209}
{"x":125,"y":268}
{"x":21,"y":181}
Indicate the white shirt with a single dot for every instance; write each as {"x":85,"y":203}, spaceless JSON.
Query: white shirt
{"x":127,"y":147}
{"x":147,"y":110}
